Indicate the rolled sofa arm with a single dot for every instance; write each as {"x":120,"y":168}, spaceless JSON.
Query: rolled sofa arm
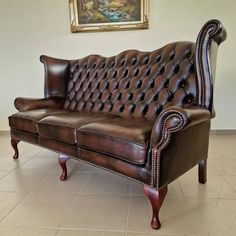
{"x":174,"y":119}
{"x":25,"y":104}
{"x":210,"y":37}
{"x":171,"y":120}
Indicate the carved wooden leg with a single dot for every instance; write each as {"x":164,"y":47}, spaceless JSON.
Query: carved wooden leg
{"x":62,"y":161}
{"x":14,"y":143}
{"x":156,"y":198}
{"x":202,"y":171}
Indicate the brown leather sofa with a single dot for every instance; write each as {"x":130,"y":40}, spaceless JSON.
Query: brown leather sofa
{"x":142,"y":115}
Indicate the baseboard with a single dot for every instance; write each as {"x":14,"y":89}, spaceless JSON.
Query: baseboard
{"x":4,"y":132}
{"x":223,"y":132}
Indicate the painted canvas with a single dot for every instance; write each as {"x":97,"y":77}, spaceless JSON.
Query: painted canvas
{"x":104,"y":11}
{"x":108,"y":14}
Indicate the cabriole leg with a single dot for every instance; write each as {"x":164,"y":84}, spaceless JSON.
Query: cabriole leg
{"x":202,"y":171}
{"x":62,"y":161}
{"x":156,"y":198}
{"x":14,"y":143}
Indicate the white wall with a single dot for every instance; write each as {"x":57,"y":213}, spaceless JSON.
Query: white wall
{"x":29,"y":28}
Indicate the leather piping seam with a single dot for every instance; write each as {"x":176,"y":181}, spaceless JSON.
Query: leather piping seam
{"x":50,"y":103}
{"x":25,"y":118}
{"x":155,"y":170}
{"x":117,"y":173}
{"x":113,"y":156}
{"x":42,"y":123}
{"x":200,"y":54}
{"x":22,"y":131}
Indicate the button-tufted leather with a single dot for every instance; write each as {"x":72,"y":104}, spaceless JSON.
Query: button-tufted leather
{"x":133,"y":84}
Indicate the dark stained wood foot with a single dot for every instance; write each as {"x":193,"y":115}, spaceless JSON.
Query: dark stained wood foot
{"x":62,"y":161}
{"x":156,"y":198}
{"x":202,"y":171}
{"x":14,"y":143}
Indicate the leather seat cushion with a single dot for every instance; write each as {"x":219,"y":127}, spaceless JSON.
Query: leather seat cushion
{"x":123,"y":138}
{"x":27,"y":120}
{"x":63,"y":127}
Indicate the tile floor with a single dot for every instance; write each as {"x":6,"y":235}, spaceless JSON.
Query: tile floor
{"x":33,"y":202}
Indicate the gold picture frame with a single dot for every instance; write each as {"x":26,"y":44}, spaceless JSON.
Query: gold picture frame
{"x":108,"y":15}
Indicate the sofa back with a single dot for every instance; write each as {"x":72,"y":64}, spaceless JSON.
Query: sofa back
{"x":133,"y":83}
{"x":139,"y":84}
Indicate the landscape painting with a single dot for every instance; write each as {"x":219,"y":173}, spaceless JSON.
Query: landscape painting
{"x":108,"y":14}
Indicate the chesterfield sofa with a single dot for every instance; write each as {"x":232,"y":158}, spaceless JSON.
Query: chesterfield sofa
{"x":142,"y":115}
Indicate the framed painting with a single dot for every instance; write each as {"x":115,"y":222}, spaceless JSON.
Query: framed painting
{"x":104,"y":15}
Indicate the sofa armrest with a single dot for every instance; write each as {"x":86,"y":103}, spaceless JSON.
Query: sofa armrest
{"x":210,"y":37}
{"x":174,"y":119}
{"x":25,"y":104}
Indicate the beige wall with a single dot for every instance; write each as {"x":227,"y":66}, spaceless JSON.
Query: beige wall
{"x":30,"y":28}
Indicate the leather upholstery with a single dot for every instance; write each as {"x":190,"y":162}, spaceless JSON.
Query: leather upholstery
{"x":26,"y":136}
{"x":137,"y":84}
{"x":172,"y":117}
{"x":191,"y":143}
{"x":56,"y":76}
{"x":63,"y":127}
{"x":27,"y":120}
{"x":25,"y":104}
{"x":209,"y":38}
{"x":134,"y":172}
{"x":156,"y":108}
{"x":123,"y":138}
{"x":60,"y":147}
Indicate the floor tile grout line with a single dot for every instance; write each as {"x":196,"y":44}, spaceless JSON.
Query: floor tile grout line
{"x":35,"y":156}
{"x":8,"y":172}
{"x":47,"y":173}
{"x":57,"y":231}
{"x":66,"y":229}
{"x":74,"y":193}
{"x":231,"y":187}
{"x":67,"y":211}
{"x":114,"y":195}
{"x":77,"y":194}
{"x":72,"y":204}
{"x":85,"y":183}
{"x":15,"y":168}
{"x":29,"y":227}
{"x":59,"y":224}
{"x":10,"y":152}
{"x":93,"y":230}
{"x":109,"y":194}
{"x":181,"y":190}
{"x":23,"y":198}
{"x":211,"y":198}
{"x":27,"y":152}
{"x":221,"y":187}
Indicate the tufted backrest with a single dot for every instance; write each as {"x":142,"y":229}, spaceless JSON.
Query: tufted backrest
{"x":134,"y":83}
